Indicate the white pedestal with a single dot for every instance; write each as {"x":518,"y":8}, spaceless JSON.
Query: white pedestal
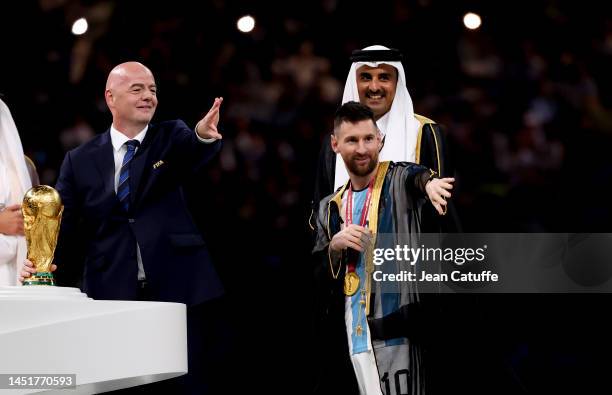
{"x":108,"y":344}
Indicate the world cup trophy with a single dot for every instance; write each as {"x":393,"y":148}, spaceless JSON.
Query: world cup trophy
{"x":42,"y":214}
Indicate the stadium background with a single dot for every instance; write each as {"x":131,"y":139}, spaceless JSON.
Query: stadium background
{"x":525,"y":100}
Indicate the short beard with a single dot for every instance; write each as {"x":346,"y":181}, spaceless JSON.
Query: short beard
{"x":360,"y":171}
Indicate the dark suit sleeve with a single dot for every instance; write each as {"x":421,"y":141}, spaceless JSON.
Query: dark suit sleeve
{"x":434,"y":151}
{"x":69,"y":254}
{"x":415,"y":179}
{"x":188,"y":151}
{"x":435,"y":154}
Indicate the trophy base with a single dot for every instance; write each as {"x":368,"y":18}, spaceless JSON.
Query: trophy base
{"x":39,"y":278}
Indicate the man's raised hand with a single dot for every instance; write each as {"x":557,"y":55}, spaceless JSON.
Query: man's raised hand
{"x":207,"y":127}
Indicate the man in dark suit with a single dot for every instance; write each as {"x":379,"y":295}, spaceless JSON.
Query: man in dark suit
{"x":125,"y":218}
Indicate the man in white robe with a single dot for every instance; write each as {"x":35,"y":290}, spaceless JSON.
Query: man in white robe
{"x":14,"y":182}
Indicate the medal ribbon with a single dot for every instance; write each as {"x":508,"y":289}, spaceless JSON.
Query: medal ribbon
{"x":364,"y":213}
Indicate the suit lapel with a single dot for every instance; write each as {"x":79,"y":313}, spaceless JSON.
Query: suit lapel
{"x":104,"y":159}
{"x":139,"y":169}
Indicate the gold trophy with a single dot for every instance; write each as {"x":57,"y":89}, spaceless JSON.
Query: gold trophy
{"x":42,"y":214}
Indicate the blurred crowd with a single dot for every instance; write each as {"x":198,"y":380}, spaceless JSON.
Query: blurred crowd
{"x":525,"y":100}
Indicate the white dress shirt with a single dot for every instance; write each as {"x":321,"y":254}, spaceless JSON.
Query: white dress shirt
{"x":118,"y":140}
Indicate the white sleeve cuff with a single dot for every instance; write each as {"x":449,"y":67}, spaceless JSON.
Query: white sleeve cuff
{"x":200,"y":139}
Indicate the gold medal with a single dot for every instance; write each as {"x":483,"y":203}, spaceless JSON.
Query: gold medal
{"x":351,"y":283}
{"x":359,"y":330}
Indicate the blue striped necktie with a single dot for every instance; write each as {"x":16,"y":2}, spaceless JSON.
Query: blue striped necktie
{"x":123,"y":189}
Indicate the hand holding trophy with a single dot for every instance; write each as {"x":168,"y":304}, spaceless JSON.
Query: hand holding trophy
{"x":42,"y":213}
